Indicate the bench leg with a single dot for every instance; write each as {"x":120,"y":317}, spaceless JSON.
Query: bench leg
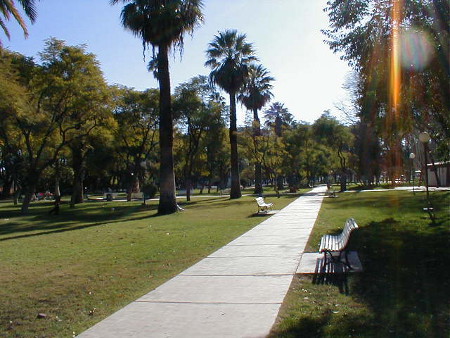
{"x":344,"y":260}
{"x":347,"y":263}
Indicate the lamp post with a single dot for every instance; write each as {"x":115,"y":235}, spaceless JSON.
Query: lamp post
{"x":412,"y":156}
{"x":424,"y":137}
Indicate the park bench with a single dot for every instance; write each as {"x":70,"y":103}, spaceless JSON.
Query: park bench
{"x":330,"y":192}
{"x":336,"y":245}
{"x":263,"y":206}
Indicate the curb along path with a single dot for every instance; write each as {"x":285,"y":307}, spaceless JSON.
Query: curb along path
{"x":236,"y":291}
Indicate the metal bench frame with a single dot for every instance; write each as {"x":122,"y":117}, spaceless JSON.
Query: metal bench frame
{"x":263,"y":206}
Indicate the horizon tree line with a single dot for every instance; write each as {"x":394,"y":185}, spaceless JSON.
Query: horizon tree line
{"x":162,"y":26}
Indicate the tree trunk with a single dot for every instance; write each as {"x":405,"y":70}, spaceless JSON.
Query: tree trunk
{"x":343,"y":182}
{"x":235,"y":180}
{"x":188,"y":188}
{"x":280,"y":185}
{"x":30,"y":190}
{"x":167,"y":198}
{"x":7,"y":186}
{"x":78,"y":166}
{"x":258,"y":167}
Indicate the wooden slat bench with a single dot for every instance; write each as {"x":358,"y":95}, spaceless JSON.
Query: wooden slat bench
{"x":336,"y":245}
{"x":263,"y":206}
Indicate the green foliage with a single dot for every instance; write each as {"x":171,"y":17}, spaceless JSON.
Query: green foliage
{"x":136,"y":139}
{"x":278,"y":117}
{"x":368,"y":34}
{"x":161,"y":23}
{"x":8,"y":9}
{"x":257,"y":89}
{"x":229,"y":56}
{"x":199,"y":115}
{"x":64,"y":100}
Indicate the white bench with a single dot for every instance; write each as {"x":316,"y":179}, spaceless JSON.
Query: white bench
{"x":335,"y":245}
{"x":330,"y":193}
{"x":263,"y":206}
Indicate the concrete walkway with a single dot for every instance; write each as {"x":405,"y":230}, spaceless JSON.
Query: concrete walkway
{"x":236,"y":291}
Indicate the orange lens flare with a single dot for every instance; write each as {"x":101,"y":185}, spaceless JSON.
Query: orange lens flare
{"x":394,"y":113}
{"x":395,"y":67}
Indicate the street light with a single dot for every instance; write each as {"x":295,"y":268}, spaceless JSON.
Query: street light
{"x":412,"y":156}
{"x":424,"y":137}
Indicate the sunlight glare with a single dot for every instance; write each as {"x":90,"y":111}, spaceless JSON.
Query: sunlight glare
{"x":395,"y":72}
{"x":416,"y":49}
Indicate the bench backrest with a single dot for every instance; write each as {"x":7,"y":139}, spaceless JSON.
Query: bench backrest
{"x":260,"y":201}
{"x":344,"y":236}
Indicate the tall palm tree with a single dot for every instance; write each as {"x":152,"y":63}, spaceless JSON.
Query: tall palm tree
{"x":255,"y":94}
{"x":276,"y":116}
{"x":229,"y":56}
{"x":8,"y":8}
{"x":163,"y":24}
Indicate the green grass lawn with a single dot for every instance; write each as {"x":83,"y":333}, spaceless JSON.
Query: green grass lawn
{"x":89,"y":261}
{"x":404,"y":290}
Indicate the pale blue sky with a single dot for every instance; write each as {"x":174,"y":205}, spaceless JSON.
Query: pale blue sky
{"x":285,"y":33}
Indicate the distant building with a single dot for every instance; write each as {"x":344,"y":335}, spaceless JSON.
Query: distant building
{"x":443,"y":172}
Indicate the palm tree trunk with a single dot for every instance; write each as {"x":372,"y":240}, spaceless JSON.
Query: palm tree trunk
{"x":235,"y":180}
{"x":167,"y":198}
{"x":258,"y":167}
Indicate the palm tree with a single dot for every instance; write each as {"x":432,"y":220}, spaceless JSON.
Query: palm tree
{"x":278,"y":115}
{"x":255,"y":94}
{"x":8,"y":9}
{"x":163,"y":24}
{"x":229,"y":56}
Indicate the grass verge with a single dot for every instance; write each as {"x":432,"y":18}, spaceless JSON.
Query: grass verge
{"x":82,"y":265}
{"x":404,"y":290}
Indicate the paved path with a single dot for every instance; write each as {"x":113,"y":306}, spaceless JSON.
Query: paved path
{"x":236,"y":291}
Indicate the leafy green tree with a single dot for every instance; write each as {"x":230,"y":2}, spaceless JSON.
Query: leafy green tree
{"x":229,"y":56}
{"x":328,"y":131}
{"x":296,"y":142}
{"x":405,"y":41}
{"x":217,"y":149}
{"x":163,"y":24}
{"x":8,"y":9}
{"x":273,"y":152}
{"x":12,"y":100}
{"x":63,"y":103}
{"x":255,"y":94}
{"x":137,"y":113}
{"x":196,"y":112}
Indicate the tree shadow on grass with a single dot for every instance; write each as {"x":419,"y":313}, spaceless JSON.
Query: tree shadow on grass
{"x":306,"y":327}
{"x":404,"y":288}
{"x":406,"y":281}
{"x":40,"y":223}
{"x":333,"y":273}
